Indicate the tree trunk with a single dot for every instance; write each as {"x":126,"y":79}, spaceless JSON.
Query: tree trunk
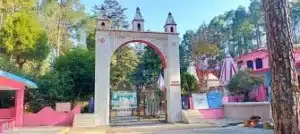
{"x":1,"y":19}
{"x":285,"y":90}
{"x":258,"y":36}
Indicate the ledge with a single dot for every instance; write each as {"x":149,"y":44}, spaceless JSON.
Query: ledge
{"x":246,"y":103}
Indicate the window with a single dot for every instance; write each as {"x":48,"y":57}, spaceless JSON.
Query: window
{"x":102,"y":25}
{"x":139,"y":27}
{"x":259,"y":63}
{"x":172,"y":30}
{"x":250,"y":64}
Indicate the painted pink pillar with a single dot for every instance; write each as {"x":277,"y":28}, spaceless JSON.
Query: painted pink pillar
{"x":19,"y":105}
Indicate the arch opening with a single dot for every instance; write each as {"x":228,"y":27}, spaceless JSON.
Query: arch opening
{"x":143,"y":85}
{"x":156,"y":49}
{"x":172,"y":29}
{"x":139,"y":27}
{"x":102,"y":25}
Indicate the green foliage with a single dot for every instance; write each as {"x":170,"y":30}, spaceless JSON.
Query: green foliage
{"x":79,"y":65}
{"x":62,"y":20}
{"x":123,"y":64}
{"x":8,"y":66}
{"x":23,"y":39}
{"x":115,"y":12}
{"x":53,"y":87}
{"x":71,"y":79}
{"x":185,"y":51}
{"x":189,"y":83}
{"x":243,"y":82}
{"x":148,"y":69}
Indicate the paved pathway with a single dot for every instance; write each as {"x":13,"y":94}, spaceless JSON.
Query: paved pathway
{"x":39,"y":130}
{"x":173,"y":129}
{"x":160,"y":129}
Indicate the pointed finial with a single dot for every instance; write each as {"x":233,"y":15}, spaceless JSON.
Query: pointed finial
{"x":138,"y":15}
{"x":170,"y":20}
{"x":102,"y":15}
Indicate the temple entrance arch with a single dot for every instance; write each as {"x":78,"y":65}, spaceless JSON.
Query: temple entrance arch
{"x":141,"y":100}
{"x":166,"y":45}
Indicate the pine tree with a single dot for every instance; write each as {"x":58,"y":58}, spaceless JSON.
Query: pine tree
{"x":285,"y":87}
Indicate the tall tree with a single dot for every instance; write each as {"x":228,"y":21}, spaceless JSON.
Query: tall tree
{"x":60,"y":19}
{"x":23,"y":38}
{"x":115,"y":12}
{"x":295,"y":17}
{"x":285,"y":86}
{"x":185,"y":49}
{"x":123,"y":63}
{"x":148,"y":69}
{"x":10,"y":6}
{"x":257,"y":19}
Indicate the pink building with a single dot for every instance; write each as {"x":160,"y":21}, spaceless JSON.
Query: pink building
{"x":258,"y":62}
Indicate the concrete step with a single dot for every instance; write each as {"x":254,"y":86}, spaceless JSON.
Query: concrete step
{"x":191,"y":116}
{"x":84,"y":120}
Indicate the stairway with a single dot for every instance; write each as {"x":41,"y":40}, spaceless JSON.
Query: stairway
{"x":192,"y":116}
{"x":84,"y":120}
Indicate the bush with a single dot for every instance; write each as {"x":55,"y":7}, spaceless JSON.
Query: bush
{"x":243,"y":82}
{"x":189,"y":84}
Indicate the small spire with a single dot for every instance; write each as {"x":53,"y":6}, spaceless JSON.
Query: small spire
{"x":170,"y":20}
{"x":102,"y":15}
{"x":138,"y":15}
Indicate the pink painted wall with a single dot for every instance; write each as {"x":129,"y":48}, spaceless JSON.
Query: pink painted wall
{"x":48,"y":117}
{"x":212,"y":113}
{"x":5,"y":82}
{"x":262,"y":54}
{"x":6,"y":124}
{"x":7,"y":113}
{"x":259,"y":94}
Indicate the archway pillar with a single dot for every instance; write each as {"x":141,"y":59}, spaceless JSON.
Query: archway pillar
{"x":102,"y":80}
{"x":172,"y":80}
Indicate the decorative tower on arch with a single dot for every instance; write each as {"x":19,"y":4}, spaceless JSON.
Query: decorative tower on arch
{"x":103,"y":21}
{"x":138,"y":21}
{"x":170,"y":26}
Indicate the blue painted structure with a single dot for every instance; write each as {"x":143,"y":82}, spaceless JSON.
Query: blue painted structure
{"x":26,"y":82}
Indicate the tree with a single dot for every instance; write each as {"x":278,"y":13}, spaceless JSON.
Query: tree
{"x":123,"y":63}
{"x":148,"y":69}
{"x":53,"y":87}
{"x":23,"y":38}
{"x":256,"y":18}
{"x":285,"y":86}
{"x":79,"y":65}
{"x":115,"y":13}
{"x":11,"y":6}
{"x":61,"y":19}
{"x":185,"y":51}
{"x":295,"y":17}
{"x":189,"y":83}
{"x":243,"y":82}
